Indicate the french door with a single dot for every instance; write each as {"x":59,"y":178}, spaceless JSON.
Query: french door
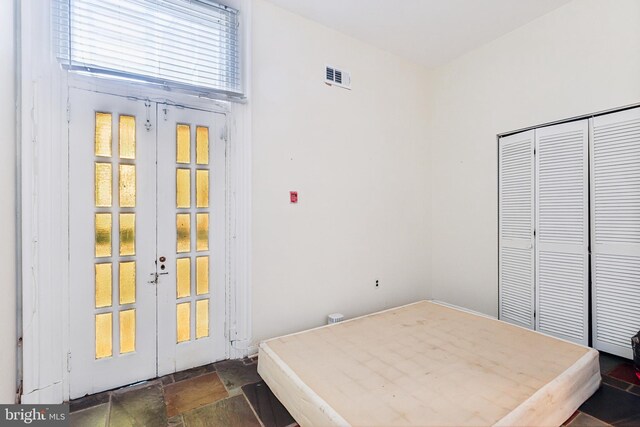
{"x":147,"y":240}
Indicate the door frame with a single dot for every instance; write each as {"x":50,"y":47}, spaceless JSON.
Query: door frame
{"x":43,"y":266}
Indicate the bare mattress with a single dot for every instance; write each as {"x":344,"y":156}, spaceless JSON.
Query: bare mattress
{"x":427,"y":364}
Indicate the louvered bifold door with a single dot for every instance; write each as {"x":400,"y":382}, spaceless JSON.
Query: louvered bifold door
{"x":516,"y":260}
{"x":615,"y":192}
{"x":562,"y":231}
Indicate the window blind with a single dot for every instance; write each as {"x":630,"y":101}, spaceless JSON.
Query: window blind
{"x":191,"y":44}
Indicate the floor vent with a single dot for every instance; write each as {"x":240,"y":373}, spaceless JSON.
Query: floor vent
{"x":334,"y":318}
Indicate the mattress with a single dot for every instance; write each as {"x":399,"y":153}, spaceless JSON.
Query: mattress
{"x":427,"y":364}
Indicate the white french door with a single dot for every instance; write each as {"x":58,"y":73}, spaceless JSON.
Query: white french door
{"x":147,"y":240}
{"x":191,"y":230}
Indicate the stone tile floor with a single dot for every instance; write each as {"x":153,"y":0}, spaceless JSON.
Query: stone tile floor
{"x":226,"y":394}
{"x":231,"y":394}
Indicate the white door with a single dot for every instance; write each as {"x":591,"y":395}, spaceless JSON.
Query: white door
{"x":191,"y":245}
{"x":562,"y":231}
{"x":128,"y":322}
{"x":615,"y":235}
{"x":516,"y":210}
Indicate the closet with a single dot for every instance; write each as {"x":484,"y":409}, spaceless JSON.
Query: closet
{"x":564,"y":189}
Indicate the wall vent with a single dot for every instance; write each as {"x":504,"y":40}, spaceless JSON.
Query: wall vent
{"x":334,"y":318}
{"x":336,"y":77}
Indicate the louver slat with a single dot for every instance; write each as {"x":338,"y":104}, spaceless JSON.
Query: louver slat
{"x":516,"y":229}
{"x":562,"y":224}
{"x":181,"y":44}
{"x":615,"y":192}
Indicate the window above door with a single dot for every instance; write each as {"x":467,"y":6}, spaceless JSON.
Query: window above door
{"x":190,"y":45}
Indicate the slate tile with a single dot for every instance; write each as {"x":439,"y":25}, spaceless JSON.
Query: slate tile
{"x":189,"y":394}
{"x":606,"y":379}
{"x":94,"y":416}
{"x":610,"y":404}
{"x":634,"y":389}
{"x":571,"y":418}
{"x":609,"y":361}
{"x":250,"y":360}
{"x":629,"y":422}
{"x":625,"y":372}
{"x":231,"y":412}
{"x":138,"y":406}
{"x":269,"y":409}
{"x":235,"y":374}
{"x":584,"y":420}
{"x":167,"y":379}
{"x":194,"y":372}
{"x":89,"y":401}
{"x":176,"y":421}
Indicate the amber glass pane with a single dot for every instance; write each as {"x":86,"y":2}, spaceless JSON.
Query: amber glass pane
{"x":183,"y":277}
{"x":183,"y":226}
{"x":103,"y":135}
{"x":127,"y":137}
{"x":103,"y":285}
{"x":202,"y":318}
{"x":127,"y":234}
{"x":183,"y":144}
{"x":127,"y":331}
{"x":127,"y":186}
{"x":103,"y":335}
{"x":103,"y":234}
{"x":183,"y":188}
{"x":202,"y":275}
{"x":202,"y":189}
{"x":103,"y":185}
{"x":202,"y":145}
{"x":202,"y":235}
{"x":127,"y":282}
{"x":183,"y":318}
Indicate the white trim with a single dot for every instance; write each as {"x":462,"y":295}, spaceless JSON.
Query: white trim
{"x":141,"y":91}
{"x":50,"y":393}
{"x":239,"y":172}
{"x":466,"y":310}
{"x":43,"y":207}
{"x":17,"y":25}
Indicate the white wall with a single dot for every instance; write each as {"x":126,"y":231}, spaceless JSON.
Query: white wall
{"x":8,"y":206}
{"x":359,"y":162}
{"x":582,"y":58}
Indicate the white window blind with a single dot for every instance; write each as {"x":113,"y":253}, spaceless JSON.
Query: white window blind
{"x":190,"y":44}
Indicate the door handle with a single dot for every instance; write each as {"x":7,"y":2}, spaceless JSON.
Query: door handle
{"x":162,"y":266}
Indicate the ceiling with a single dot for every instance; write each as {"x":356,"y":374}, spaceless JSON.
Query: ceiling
{"x":430,"y":32}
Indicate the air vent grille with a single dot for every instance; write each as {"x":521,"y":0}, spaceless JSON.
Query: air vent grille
{"x":330,"y":74}
{"x":336,"y":77}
